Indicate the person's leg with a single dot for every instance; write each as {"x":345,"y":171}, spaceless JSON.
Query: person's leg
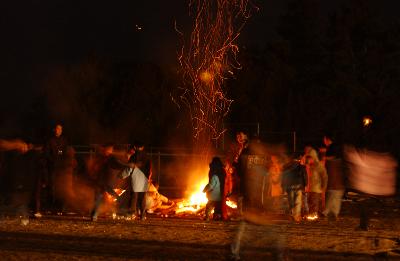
{"x":314,"y":202}
{"x":38,"y":190}
{"x":208,"y":210}
{"x":98,"y":200}
{"x":329,"y":203}
{"x":306,"y":208}
{"x":217,"y":210}
{"x":290,"y":197}
{"x":134,"y":203}
{"x":337,"y":201}
{"x":364,"y":217}
{"x":296,"y":212}
{"x":142,"y":205}
{"x":334,"y":202}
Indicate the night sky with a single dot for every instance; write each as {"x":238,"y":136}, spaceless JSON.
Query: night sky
{"x":37,"y":35}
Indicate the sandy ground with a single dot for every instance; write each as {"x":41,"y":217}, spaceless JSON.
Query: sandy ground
{"x":262,"y":237}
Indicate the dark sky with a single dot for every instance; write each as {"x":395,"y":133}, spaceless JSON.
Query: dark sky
{"x":43,"y":33}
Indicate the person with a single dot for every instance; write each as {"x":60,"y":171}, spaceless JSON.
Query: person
{"x":371,"y":173}
{"x":140,"y":179}
{"x":55,"y":150}
{"x":21,"y":169}
{"x":327,"y":151}
{"x":232,"y":159}
{"x":106,"y":177}
{"x":275,"y":181}
{"x":234,"y":163}
{"x":154,"y":200}
{"x":215,"y":189}
{"x":294,"y":180}
{"x":316,"y":182}
{"x":336,"y":180}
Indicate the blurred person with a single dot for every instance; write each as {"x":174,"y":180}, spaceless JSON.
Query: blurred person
{"x":370,"y":173}
{"x":227,"y":191}
{"x":317,"y":179}
{"x":275,"y":190}
{"x":6,"y":145}
{"x":14,"y":145}
{"x":234,"y":166}
{"x":294,"y":181}
{"x":55,"y":150}
{"x":154,"y":200}
{"x":215,"y":189}
{"x":105,"y":179}
{"x":125,"y":184}
{"x":20,"y":166}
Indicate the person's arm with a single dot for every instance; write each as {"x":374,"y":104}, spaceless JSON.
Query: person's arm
{"x":118,"y":164}
{"x":211,"y":184}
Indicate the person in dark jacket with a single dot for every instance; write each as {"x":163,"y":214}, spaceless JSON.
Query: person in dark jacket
{"x":55,"y":150}
{"x":294,"y":180}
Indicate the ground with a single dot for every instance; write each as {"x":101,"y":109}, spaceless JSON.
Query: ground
{"x":263,"y":237}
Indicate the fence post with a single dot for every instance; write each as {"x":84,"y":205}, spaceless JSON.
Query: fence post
{"x":294,"y":142}
{"x":159,"y":168}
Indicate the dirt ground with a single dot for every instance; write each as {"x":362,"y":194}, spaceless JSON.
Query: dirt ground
{"x":262,"y":237}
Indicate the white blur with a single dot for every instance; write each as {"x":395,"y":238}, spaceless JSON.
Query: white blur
{"x":371,"y":172}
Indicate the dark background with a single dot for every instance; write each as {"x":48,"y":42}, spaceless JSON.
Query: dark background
{"x":308,"y":66}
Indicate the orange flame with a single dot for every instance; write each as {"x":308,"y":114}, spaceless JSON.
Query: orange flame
{"x":312,"y":217}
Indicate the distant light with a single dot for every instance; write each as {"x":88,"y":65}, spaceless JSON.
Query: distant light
{"x":367,"y":121}
{"x":138,"y":27}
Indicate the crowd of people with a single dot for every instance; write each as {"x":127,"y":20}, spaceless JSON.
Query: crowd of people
{"x":255,"y":176}
{"x":44,"y":179}
{"x":270,"y":180}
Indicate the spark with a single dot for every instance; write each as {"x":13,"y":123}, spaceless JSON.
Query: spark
{"x":208,"y":59}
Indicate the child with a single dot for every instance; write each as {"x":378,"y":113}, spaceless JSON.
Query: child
{"x":215,"y":189}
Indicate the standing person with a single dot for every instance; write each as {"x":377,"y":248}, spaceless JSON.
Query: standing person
{"x":316,"y":183}
{"x":105,"y":179}
{"x":55,"y":150}
{"x":275,"y":190}
{"x":327,"y":151}
{"x":294,"y":180}
{"x":21,"y":168}
{"x":215,"y":189}
{"x":140,"y":178}
{"x":234,"y":164}
{"x":336,"y":179}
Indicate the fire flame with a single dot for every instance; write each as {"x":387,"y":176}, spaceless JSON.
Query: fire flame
{"x":198,"y":201}
{"x":312,"y":217}
{"x":195,"y":202}
{"x":119,"y":193}
{"x":231,"y":203}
